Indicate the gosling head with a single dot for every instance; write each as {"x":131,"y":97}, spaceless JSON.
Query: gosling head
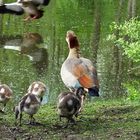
{"x":37,"y":88}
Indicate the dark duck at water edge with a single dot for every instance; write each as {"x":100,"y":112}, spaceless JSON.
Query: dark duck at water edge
{"x":30,"y":7}
{"x":77,"y":71}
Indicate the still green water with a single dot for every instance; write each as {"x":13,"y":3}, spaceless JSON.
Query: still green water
{"x":35,"y":50}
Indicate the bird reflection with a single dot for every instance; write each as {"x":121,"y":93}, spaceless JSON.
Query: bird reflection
{"x":31,"y":7}
{"x":30,"y":45}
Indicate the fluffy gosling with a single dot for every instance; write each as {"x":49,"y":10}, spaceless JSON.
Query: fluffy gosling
{"x":69,"y":104}
{"x":30,"y":102}
{"x":5,"y":95}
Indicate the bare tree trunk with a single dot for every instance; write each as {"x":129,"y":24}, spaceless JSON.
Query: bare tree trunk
{"x":131,"y":8}
{"x":117,"y":57}
{"x":131,"y":14}
{"x":97,"y":31}
{"x":1,"y":23}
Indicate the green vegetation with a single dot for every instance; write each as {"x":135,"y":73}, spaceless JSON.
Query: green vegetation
{"x":127,"y":37}
{"x":100,"y":119}
{"x":133,"y":90}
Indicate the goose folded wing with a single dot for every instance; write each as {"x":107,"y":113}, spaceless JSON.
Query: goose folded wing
{"x":83,"y":74}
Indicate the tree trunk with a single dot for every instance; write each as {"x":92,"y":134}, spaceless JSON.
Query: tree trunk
{"x":97,"y":31}
{"x":131,"y":14}
{"x":117,"y":57}
{"x":1,"y":23}
{"x":131,"y":9}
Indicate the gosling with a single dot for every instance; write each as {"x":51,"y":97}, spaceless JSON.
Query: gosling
{"x":5,"y":95}
{"x":30,"y":102}
{"x":70,"y":104}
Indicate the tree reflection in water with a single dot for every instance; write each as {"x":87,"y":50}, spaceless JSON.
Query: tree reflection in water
{"x":30,"y":45}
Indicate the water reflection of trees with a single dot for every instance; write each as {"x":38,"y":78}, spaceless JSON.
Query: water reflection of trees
{"x":23,"y":59}
{"x":28,"y":45}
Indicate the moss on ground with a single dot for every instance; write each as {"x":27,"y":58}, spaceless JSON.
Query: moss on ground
{"x":99,"y":120}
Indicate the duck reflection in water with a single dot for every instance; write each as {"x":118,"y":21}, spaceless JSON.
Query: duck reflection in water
{"x":30,"y":45}
{"x":32,"y":8}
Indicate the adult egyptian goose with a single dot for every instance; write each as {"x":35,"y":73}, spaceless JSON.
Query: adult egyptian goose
{"x":30,"y":7}
{"x":77,"y":71}
{"x":69,"y":104}
{"x":5,"y":95}
{"x":30,"y":102}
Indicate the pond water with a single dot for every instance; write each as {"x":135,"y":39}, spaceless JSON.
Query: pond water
{"x":35,"y":50}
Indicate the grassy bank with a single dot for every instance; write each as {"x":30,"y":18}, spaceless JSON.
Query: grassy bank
{"x":100,"y":119}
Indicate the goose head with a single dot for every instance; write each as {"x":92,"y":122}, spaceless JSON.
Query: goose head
{"x":71,"y":39}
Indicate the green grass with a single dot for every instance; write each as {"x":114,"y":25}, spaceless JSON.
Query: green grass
{"x":100,"y":119}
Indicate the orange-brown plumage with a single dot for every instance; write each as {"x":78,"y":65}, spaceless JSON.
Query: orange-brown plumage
{"x":86,"y":81}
